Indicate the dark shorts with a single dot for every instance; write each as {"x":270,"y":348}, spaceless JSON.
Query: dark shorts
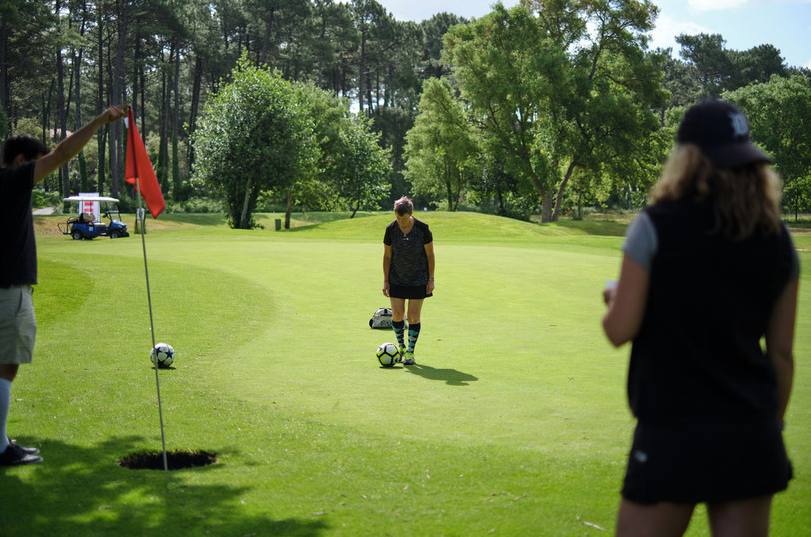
{"x":408,"y":291}
{"x":712,"y":462}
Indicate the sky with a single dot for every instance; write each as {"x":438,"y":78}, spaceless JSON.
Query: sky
{"x":785,"y":24}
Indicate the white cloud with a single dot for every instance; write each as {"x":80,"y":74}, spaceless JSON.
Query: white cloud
{"x":666,"y":30}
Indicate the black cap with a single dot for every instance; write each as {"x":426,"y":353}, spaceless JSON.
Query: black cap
{"x":721,"y":130}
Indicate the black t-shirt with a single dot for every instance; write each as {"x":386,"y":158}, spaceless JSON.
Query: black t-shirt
{"x":409,"y":262}
{"x":17,"y":244}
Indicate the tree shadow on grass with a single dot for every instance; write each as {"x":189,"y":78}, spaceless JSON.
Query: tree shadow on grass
{"x":81,"y":491}
{"x":451,"y":376}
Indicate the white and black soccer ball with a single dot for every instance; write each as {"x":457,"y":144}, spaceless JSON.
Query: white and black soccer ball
{"x":387,"y":354}
{"x":162,"y":355}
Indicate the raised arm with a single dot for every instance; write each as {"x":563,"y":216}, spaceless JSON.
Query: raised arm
{"x":73,"y":144}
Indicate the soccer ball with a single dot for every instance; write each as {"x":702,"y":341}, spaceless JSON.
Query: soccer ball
{"x":162,"y":355}
{"x":387,"y":354}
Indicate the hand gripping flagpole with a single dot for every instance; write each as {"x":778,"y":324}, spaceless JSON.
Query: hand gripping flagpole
{"x":141,"y":217}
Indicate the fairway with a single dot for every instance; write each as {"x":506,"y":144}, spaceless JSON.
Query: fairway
{"x":513,"y":422}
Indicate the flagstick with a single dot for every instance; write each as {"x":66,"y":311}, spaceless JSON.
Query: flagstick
{"x":141,"y":215}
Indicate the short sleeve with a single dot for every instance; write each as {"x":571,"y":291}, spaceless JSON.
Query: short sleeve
{"x":427,"y":237}
{"x":641,"y":241}
{"x":795,"y":259}
{"x":387,"y":236}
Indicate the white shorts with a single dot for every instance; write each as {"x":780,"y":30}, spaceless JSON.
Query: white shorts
{"x":18,"y":326}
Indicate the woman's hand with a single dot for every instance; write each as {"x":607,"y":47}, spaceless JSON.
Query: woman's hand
{"x":386,"y":289}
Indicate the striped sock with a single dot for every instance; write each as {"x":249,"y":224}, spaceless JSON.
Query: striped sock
{"x":413,"y":334}
{"x":399,"y":331}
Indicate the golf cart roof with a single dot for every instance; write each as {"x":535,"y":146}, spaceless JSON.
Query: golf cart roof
{"x":91,"y":198}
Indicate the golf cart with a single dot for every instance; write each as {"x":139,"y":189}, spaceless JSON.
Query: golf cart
{"x":88,"y":224}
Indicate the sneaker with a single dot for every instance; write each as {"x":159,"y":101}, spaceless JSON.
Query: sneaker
{"x":409,"y":358}
{"x":27,"y":450}
{"x":402,"y":353}
{"x":15,"y":456}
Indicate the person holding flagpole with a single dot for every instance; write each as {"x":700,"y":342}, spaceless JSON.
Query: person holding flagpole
{"x":26,"y":162}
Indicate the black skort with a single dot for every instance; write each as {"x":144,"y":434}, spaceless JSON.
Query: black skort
{"x":408,"y":291}
{"x":706,"y":462}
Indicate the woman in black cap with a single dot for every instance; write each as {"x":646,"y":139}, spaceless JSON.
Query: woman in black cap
{"x":708,"y":270}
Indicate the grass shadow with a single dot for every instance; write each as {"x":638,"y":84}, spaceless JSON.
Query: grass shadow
{"x":81,"y":491}
{"x":452,"y":377}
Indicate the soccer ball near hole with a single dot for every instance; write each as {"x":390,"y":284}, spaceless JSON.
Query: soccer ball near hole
{"x":387,"y":354}
{"x":162,"y":355}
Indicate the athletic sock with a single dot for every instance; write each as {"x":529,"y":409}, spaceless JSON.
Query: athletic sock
{"x":5,"y":403}
{"x":413,"y":334}
{"x":399,"y":331}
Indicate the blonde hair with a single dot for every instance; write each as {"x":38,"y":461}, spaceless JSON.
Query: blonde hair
{"x":744,"y":199}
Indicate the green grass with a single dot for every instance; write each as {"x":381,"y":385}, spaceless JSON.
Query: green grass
{"x":513,"y":423}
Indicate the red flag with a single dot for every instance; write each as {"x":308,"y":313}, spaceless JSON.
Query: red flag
{"x":139,"y":166}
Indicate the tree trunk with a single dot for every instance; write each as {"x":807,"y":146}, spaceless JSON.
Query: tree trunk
{"x":100,"y":107}
{"x":289,"y":211}
{"x":546,"y":198}
{"x":546,"y":206}
{"x":246,"y":215}
{"x":60,"y":108}
{"x":322,"y":39}
{"x":77,"y":67}
{"x":362,"y":71}
{"x":195,"y":103}
{"x":562,"y":189}
{"x":263,"y":57}
{"x":118,"y":98}
{"x":4,"y":107}
{"x":176,"y":180}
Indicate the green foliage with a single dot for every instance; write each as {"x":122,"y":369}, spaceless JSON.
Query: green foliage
{"x":361,"y":166}
{"x":709,"y":68}
{"x":442,"y":151}
{"x":779,"y":113}
{"x":254,"y":135}
{"x":554,"y":96}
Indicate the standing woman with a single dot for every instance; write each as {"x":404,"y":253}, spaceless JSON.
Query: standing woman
{"x":408,"y":273}
{"x":708,"y":270}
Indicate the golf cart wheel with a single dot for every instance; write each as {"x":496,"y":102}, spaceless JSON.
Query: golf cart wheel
{"x":114,"y":235}
{"x":77,"y":235}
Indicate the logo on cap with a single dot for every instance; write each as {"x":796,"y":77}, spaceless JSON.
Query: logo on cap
{"x":740,"y":128}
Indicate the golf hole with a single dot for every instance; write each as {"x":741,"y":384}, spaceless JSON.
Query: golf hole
{"x":175,"y":460}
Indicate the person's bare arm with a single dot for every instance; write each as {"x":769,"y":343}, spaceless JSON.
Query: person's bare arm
{"x":386,"y":267}
{"x":626,"y":303}
{"x":73,"y":144}
{"x":780,"y":343}
{"x":429,"y":252}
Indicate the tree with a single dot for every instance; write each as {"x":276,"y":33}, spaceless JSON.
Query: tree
{"x":442,"y":149}
{"x":712,"y":64}
{"x":434,"y":29}
{"x":361,"y":166}
{"x":254,"y":135}
{"x":352,"y":161}
{"x":709,"y":68}
{"x":564,"y":87}
{"x":779,"y":113}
